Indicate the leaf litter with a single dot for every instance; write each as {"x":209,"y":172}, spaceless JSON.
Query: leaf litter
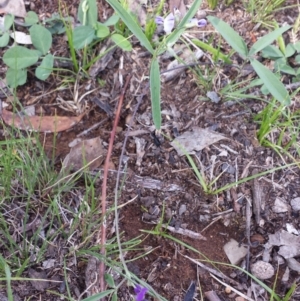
{"x":163,"y":175}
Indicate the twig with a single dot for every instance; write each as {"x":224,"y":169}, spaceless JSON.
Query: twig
{"x":141,"y":96}
{"x":104,"y":185}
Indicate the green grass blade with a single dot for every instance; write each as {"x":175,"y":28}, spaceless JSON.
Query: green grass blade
{"x":230,"y":35}
{"x":155,"y":92}
{"x":212,"y":50}
{"x":99,"y":296}
{"x":267,"y":40}
{"x":131,"y":24}
{"x":273,"y":84}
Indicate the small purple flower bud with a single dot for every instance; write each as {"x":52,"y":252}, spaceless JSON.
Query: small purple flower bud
{"x":159,"y":20}
{"x":195,"y":22}
{"x":140,"y":292}
{"x":202,"y":23}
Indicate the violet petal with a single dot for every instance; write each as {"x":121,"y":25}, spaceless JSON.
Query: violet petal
{"x":159,"y":20}
{"x":169,"y":23}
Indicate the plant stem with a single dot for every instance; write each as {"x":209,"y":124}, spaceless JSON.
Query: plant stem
{"x":104,"y":185}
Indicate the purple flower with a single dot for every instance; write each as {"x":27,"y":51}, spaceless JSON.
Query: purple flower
{"x":140,"y":292}
{"x":195,"y":22}
{"x":168,"y":22}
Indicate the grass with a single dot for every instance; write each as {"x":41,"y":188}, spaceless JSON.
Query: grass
{"x":40,"y":207}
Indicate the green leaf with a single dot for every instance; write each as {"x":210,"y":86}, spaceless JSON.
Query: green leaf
{"x":131,"y":24}
{"x":43,"y":71}
{"x":267,"y":40}
{"x":113,"y":20}
{"x":215,"y":52}
{"x":82,"y":36}
{"x":15,"y":78}
{"x":272,"y":83}
{"x":8,"y":21}
{"x":297,"y":59}
{"x":290,"y":50}
{"x":109,"y":280}
{"x":98,"y":296}
{"x":121,"y":42}
{"x":4,"y":39}
{"x":91,"y":14}
{"x":297,"y":46}
{"x":31,"y":18}
{"x":19,"y":57}
{"x":230,"y":35}
{"x":41,"y":38}
{"x":175,"y":35}
{"x":271,"y":52}
{"x":155,"y":92}
{"x":102,"y":31}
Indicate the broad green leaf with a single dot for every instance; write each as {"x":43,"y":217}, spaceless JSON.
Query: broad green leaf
{"x":98,"y":296}
{"x":289,"y":50}
{"x":43,"y":71}
{"x":41,"y":38}
{"x":8,"y":21}
{"x":4,"y":39}
{"x":297,"y":59}
{"x":102,"y":31}
{"x":272,"y":83}
{"x":131,"y":24}
{"x":271,"y":52}
{"x":267,"y":40}
{"x":113,"y":20}
{"x":83,"y":36}
{"x":91,"y":13}
{"x":31,"y":18}
{"x":230,"y":35}
{"x":282,"y":66}
{"x":175,"y":35}
{"x":155,"y":92}
{"x":15,"y":78}
{"x":121,"y":42}
{"x":19,"y":57}
{"x":297,"y":46}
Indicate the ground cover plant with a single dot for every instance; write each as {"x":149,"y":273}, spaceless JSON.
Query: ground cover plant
{"x":141,"y":195}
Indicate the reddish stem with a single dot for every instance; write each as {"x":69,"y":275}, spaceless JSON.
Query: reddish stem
{"x":104,"y":185}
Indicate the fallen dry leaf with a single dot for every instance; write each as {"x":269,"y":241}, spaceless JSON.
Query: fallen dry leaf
{"x":195,"y":140}
{"x":47,"y":124}
{"x":14,"y":7}
{"x":179,"y":4}
{"x":85,"y":152}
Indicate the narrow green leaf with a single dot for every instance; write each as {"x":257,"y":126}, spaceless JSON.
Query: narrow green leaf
{"x":91,"y":14}
{"x":98,"y":296}
{"x":230,"y":35}
{"x":19,"y":57}
{"x":41,"y":38}
{"x":4,"y":39}
{"x":109,"y":280}
{"x":272,"y":83}
{"x":155,"y":92}
{"x":43,"y":71}
{"x":82,"y":36}
{"x":212,"y":50}
{"x":131,"y":24}
{"x":121,"y":42}
{"x":8,"y":21}
{"x":15,"y":78}
{"x":267,"y":40}
{"x":175,"y":35}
